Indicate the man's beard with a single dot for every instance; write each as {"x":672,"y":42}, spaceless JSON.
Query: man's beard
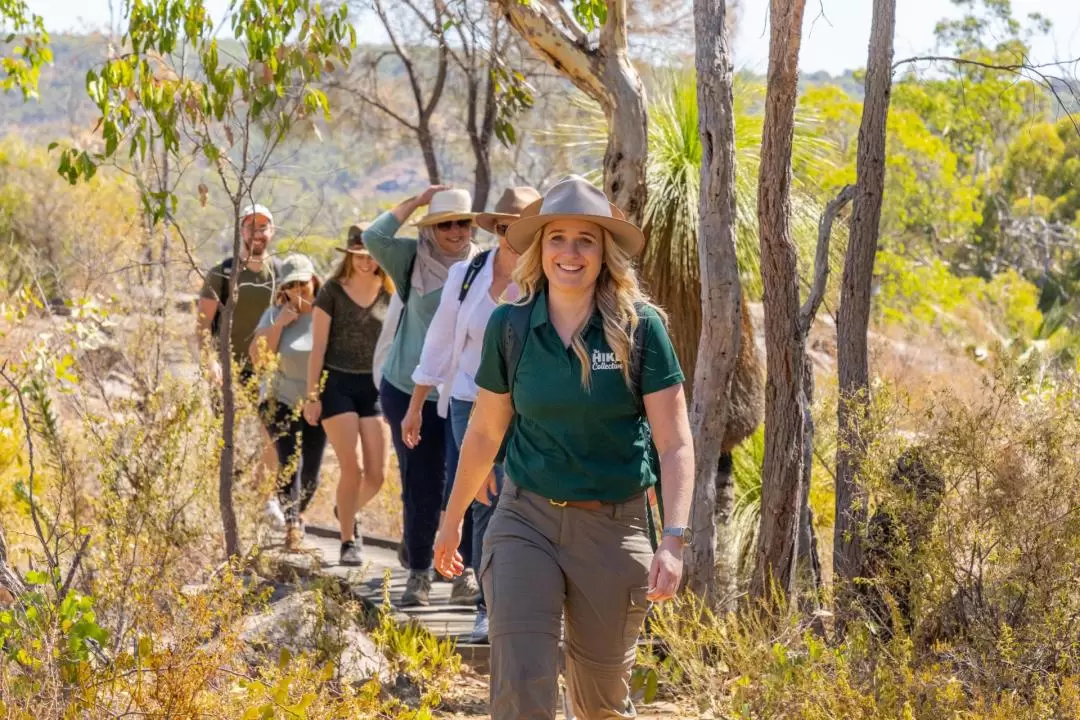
{"x":256,"y":250}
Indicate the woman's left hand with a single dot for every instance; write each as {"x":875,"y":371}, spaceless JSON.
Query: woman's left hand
{"x":448,"y":560}
{"x":665,"y":574}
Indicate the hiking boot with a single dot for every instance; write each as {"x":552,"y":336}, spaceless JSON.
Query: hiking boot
{"x":417,"y":589}
{"x":294,"y":538}
{"x":480,"y":628}
{"x":351,"y":554}
{"x":465,"y":591}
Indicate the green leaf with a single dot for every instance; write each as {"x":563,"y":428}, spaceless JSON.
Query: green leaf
{"x":651,"y":687}
{"x":36,"y":577}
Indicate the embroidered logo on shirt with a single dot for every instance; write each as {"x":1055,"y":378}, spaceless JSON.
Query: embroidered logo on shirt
{"x":604,"y":361}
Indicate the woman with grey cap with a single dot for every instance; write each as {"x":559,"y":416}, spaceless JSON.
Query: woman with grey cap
{"x":284,"y":330}
{"x":451,"y":357}
{"x":583,"y":367}
{"x":348,"y":317}
{"x":419,"y":269}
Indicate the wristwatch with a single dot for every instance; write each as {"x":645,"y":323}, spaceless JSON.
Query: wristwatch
{"x":683,"y":533}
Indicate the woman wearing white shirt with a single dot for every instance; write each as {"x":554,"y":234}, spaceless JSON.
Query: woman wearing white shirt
{"x":451,"y":356}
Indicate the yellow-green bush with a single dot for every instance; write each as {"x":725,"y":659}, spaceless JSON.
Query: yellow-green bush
{"x":982,"y":615}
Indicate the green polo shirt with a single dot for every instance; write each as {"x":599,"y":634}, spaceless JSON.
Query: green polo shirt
{"x":569,"y":443}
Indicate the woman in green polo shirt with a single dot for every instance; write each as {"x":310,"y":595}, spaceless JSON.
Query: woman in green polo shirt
{"x":569,"y":535}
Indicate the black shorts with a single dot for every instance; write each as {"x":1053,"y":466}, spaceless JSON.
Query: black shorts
{"x":349,"y":393}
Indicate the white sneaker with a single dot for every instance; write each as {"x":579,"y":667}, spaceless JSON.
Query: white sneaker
{"x":275,"y":515}
{"x":480,"y":628}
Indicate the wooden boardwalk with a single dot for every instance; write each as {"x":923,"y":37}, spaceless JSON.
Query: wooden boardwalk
{"x":380,"y":555}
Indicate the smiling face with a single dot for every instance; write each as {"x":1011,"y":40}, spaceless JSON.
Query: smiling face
{"x":572,"y":253}
{"x":452,"y":236}
{"x":363,"y":264}
{"x":256,"y":231}
{"x":300,"y":294}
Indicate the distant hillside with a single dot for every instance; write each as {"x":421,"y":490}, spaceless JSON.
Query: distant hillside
{"x":321,"y":184}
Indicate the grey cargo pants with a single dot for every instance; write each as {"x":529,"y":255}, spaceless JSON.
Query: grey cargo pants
{"x":541,"y":560}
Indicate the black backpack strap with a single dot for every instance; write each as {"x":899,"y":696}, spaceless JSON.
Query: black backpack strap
{"x":637,"y":372}
{"x":515,"y":334}
{"x":226,"y":271}
{"x":471,"y":272}
{"x":637,"y":356}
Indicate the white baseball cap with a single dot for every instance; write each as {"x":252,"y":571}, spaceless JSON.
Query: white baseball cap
{"x":257,"y":210}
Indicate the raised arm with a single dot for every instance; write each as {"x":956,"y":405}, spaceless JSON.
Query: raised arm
{"x":267,"y":336}
{"x":392,"y":253}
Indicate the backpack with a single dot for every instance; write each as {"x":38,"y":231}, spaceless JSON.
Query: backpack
{"x":516,"y":333}
{"x":226,"y":290}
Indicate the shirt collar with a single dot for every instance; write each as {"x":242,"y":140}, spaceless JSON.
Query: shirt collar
{"x":540,"y":315}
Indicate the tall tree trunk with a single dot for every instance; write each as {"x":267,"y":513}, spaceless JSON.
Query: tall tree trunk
{"x":226,"y":478}
{"x":784,"y":348}
{"x":427,"y":149}
{"x":628,"y":133}
{"x":720,"y":307}
{"x":480,"y":135}
{"x":606,"y":75}
{"x":854,"y":315}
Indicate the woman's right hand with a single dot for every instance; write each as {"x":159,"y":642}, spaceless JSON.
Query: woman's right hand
{"x":424,"y":198}
{"x":410,"y":428}
{"x":447,"y":560}
{"x":313,"y":411}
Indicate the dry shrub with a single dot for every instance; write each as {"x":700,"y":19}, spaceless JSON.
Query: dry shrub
{"x":129,"y":609}
{"x":975,"y":608}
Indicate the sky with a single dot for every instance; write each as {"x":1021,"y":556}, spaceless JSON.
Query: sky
{"x":835,"y":32}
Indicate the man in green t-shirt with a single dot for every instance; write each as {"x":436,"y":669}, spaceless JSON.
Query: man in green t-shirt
{"x":255,"y":291}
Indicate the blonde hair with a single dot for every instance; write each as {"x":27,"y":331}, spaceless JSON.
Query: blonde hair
{"x":344,"y":270}
{"x":617,"y":294}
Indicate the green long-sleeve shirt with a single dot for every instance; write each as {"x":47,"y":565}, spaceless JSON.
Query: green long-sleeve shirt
{"x":395,"y":255}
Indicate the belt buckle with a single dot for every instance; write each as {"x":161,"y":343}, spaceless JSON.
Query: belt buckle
{"x":558,"y":504}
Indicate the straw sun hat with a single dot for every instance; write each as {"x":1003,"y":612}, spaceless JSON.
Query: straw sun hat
{"x":446,"y":205}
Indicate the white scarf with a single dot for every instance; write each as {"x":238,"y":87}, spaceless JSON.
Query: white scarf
{"x":432,"y":264}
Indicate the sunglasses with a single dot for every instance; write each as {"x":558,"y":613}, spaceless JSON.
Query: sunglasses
{"x":448,"y":224}
{"x":295,"y":285}
{"x":501,"y":229}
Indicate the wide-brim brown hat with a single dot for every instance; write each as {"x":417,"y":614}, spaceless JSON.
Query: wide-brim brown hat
{"x":355,"y":244}
{"x":509,"y":208}
{"x":446,"y":205}
{"x":574,"y":198}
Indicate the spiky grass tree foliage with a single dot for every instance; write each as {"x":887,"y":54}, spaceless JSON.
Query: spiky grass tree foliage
{"x":669,"y":265}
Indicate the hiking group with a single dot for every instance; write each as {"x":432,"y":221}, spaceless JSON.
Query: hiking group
{"x":533,"y":398}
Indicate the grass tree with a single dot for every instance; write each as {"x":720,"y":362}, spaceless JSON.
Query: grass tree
{"x":173,"y":85}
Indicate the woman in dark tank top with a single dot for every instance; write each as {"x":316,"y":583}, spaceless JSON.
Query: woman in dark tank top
{"x":348,"y":317}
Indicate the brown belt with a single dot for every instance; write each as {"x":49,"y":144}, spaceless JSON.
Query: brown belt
{"x":593,"y":505}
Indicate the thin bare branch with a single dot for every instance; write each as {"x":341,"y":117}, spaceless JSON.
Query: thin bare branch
{"x":821,"y":257}
{"x":49,"y":557}
{"x":1022,"y":68}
